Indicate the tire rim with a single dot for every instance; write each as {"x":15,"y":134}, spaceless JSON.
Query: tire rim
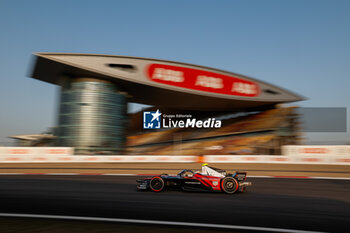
{"x":156,"y":184}
{"x":230,"y":186}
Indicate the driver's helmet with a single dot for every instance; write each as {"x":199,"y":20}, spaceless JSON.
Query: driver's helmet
{"x":188,"y":173}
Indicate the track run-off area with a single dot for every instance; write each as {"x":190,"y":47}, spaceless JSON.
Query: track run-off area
{"x":253,"y":169}
{"x":271,"y":203}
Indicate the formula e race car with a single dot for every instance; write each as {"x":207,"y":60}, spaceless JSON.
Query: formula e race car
{"x":209,"y":179}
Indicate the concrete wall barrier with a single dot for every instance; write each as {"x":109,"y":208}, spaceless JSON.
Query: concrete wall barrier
{"x":320,"y":150}
{"x":29,"y":151}
{"x":334,"y":155}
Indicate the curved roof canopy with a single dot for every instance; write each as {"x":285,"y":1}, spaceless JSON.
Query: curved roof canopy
{"x":164,"y":83}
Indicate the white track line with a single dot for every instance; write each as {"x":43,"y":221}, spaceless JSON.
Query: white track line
{"x":171,"y":223}
{"x":302,"y":177}
{"x":331,"y":178}
{"x":114,"y":174}
{"x":260,"y":176}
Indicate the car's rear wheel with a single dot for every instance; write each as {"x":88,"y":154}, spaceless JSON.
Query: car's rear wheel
{"x":156,"y":184}
{"x":229,"y":185}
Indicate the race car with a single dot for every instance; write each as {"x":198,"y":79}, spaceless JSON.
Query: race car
{"x":209,"y":179}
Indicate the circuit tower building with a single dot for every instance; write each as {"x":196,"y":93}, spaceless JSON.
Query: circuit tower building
{"x":95,"y":90}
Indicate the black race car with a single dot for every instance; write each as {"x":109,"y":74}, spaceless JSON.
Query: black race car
{"x":210,"y":179}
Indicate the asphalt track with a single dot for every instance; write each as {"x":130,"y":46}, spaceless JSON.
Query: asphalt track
{"x":301,"y":204}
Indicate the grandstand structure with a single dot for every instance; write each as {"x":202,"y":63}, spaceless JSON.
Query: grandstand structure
{"x":257,"y":133}
{"x":43,"y":139}
{"x":95,"y":91}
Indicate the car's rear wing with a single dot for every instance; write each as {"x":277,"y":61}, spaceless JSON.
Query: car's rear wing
{"x":241,"y":176}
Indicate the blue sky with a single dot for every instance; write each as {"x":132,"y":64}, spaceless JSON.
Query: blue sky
{"x":301,"y":45}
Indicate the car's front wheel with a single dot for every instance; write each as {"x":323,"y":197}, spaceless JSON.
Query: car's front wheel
{"x":229,"y":185}
{"x":156,"y":184}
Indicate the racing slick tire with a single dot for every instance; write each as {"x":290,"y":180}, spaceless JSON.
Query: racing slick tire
{"x":229,"y":185}
{"x":156,"y":184}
